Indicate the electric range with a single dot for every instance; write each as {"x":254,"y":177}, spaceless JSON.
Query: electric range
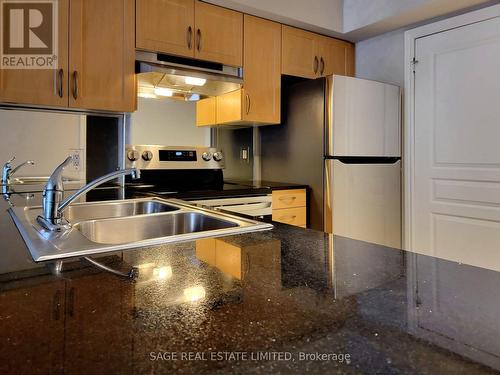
{"x":194,"y":174}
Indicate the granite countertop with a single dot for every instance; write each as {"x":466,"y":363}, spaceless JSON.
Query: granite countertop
{"x":271,"y":185}
{"x":288,"y":300}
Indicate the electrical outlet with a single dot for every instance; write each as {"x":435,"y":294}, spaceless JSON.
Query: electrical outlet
{"x":76,"y":155}
{"x":245,"y":154}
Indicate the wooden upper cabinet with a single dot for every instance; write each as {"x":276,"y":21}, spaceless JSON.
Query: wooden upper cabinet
{"x":165,"y":26}
{"x":41,"y":87}
{"x":101,"y":63}
{"x":310,"y":55}
{"x":190,"y":28}
{"x":218,"y":34}
{"x":262,"y":70}
{"x":258,"y":102}
{"x":336,"y":57}
{"x":299,"y":52}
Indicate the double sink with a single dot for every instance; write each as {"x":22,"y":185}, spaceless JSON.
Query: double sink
{"x":125,"y":224}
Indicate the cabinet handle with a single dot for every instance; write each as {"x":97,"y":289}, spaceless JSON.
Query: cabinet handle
{"x":316,"y":63}
{"x":198,"y":40}
{"x":71,"y":302}
{"x":189,"y":37}
{"x":288,"y":218}
{"x":56,"y":306}
{"x":287,"y":198}
{"x":322,"y":66}
{"x":60,"y":76}
{"x":75,"y":85}
{"x":248,"y":102}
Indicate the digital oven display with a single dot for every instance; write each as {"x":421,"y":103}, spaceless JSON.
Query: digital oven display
{"x":177,"y":155}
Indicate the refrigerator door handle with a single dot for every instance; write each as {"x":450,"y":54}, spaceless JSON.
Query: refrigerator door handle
{"x":366,"y":159}
{"x":328,"y":197}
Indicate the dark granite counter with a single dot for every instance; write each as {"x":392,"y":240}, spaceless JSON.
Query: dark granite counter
{"x":286,"y":301}
{"x":271,"y":185}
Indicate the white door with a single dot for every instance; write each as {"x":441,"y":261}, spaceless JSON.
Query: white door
{"x":456,"y":180}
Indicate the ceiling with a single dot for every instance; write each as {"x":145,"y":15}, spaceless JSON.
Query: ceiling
{"x":352,"y":20}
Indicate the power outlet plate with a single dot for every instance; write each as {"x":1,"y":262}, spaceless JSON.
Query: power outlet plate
{"x":76,"y":155}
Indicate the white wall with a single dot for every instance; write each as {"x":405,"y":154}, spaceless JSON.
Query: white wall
{"x":382,"y":58}
{"x":324,"y":16}
{"x":43,"y":137}
{"x":166,"y":122}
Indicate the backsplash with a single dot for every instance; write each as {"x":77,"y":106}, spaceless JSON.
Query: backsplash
{"x":233,"y":143}
{"x":165,"y":122}
{"x":45,"y":137}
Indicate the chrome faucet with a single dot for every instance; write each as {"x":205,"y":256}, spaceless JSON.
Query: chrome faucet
{"x":8,"y":171}
{"x":52,"y":203}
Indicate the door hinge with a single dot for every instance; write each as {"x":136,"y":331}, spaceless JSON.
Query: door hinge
{"x":413,"y":62}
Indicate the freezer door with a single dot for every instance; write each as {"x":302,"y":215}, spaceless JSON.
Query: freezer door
{"x":363,"y":201}
{"x":363,"y":118}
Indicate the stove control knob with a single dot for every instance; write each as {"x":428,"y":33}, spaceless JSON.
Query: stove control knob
{"x":218,"y":156}
{"x":132,"y":155}
{"x":147,"y":155}
{"x":206,"y":156}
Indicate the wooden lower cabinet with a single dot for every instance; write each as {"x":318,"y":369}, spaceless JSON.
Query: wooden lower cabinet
{"x":98,"y":319}
{"x":67,"y":326}
{"x":32,"y":329}
{"x":290,"y":207}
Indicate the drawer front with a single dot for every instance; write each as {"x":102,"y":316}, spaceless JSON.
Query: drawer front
{"x":292,"y":216}
{"x":289,"y":198}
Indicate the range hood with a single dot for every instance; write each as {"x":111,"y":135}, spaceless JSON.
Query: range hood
{"x":183,"y":78}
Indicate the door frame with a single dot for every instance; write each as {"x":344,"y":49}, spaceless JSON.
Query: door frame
{"x":411,"y":37}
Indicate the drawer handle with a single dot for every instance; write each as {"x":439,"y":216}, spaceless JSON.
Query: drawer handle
{"x":288,"y":218}
{"x":287,"y":198}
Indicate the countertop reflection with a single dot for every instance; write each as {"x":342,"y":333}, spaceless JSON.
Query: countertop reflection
{"x":289,"y":290}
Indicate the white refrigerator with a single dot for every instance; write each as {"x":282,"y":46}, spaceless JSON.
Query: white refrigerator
{"x":342,"y":137}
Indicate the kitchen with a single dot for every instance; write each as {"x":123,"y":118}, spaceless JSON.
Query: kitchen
{"x":245,"y":187}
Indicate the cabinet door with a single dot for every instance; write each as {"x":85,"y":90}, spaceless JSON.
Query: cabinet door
{"x":219,"y":34}
{"x":299,"y":53}
{"x":40,"y":87}
{"x":333,"y":56}
{"x":206,"y":111}
{"x":262,"y":64}
{"x":98,"y":318}
{"x":32,"y":328}
{"x":101,"y":57}
{"x":165,"y":26}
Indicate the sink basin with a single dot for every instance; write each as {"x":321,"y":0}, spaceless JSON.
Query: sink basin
{"x":100,"y":227}
{"x":133,"y":229}
{"x":102,"y":210}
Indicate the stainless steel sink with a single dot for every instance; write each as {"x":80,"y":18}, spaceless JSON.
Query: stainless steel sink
{"x":134,"y":229}
{"x":102,"y":210}
{"x":125,"y":224}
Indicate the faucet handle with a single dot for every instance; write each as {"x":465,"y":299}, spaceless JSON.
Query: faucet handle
{"x":7,"y":163}
{"x":55,"y":179}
